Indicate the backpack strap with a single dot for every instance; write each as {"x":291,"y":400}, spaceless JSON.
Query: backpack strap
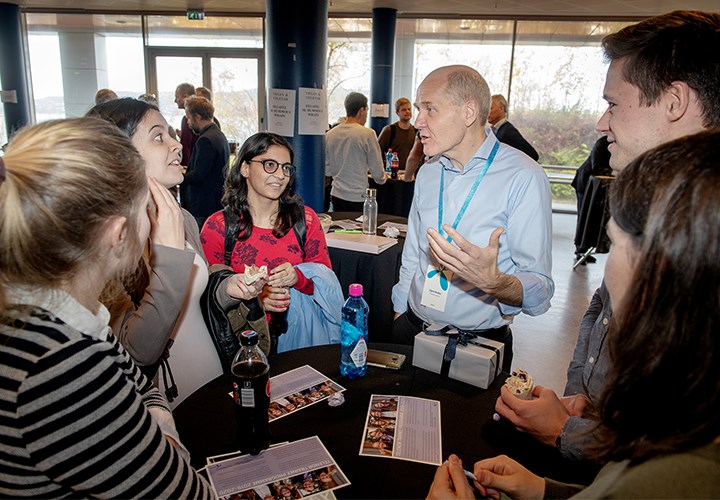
{"x":393,"y":133}
{"x":231,"y":229}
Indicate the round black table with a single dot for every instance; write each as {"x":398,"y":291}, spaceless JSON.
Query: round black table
{"x":376,"y":273}
{"x":206,"y":423}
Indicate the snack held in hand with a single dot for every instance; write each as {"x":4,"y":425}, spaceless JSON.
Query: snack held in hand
{"x":520,"y":383}
{"x":254,"y":273}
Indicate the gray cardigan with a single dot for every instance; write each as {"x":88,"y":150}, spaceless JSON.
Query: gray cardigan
{"x":144,"y":330}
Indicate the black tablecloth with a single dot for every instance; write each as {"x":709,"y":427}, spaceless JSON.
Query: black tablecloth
{"x":376,"y":273}
{"x":206,"y":423}
{"x":394,"y":197}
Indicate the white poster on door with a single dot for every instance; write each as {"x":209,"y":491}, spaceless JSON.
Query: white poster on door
{"x":281,"y":112}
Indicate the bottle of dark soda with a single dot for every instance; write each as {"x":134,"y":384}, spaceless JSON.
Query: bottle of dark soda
{"x":394,"y":166}
{"x":251,"y":390}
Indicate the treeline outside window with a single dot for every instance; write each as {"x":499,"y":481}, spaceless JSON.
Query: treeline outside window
{"x":552,"y":72}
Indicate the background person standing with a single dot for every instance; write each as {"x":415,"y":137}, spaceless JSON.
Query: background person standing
{"x":351,"y":149}
{"x":506,"y":131}
{"x":400,"y":136}
{"x":187,"y":138}
{"x":203,"y":184}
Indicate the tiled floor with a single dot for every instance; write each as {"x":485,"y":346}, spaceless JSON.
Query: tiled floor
{"x":543,"y":345}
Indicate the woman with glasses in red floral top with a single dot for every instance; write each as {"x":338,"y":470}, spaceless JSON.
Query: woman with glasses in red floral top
{"x":270,"y":223}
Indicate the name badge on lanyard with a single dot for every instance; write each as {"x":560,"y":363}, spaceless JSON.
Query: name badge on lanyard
{"x":437,"y":279}
{"x":436,"y":287}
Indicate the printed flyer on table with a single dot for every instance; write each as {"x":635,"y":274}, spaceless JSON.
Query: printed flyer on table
{"x":403,"y":427}
{"x":299,"y":469}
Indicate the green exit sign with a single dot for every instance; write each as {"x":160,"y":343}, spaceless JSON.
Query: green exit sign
{"x":195,"y":15}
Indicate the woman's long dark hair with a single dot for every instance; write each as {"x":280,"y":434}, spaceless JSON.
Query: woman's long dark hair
{"x":235,"y":197}
{"x":663,"y":390}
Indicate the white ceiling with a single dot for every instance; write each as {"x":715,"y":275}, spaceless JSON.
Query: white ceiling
{"x":594,"y":9}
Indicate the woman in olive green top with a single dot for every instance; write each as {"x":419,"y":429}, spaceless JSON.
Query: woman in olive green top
{"x":659,"y":420}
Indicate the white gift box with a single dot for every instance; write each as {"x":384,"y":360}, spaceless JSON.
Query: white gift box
{"x":472,"y":364}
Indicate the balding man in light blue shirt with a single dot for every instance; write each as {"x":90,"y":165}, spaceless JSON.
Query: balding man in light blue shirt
{"x":498,"y":262}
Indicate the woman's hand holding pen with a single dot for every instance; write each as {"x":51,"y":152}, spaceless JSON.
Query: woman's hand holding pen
{"x":491,"y":478}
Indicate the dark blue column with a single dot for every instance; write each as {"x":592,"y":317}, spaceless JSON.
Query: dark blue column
{"x":383,"y":57}
{"x":296,"y":56}
{"x":12,"y":68}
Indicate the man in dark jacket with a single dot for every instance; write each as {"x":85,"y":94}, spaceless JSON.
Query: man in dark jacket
{"x":506,"y":131}
{"x":203,"y":184}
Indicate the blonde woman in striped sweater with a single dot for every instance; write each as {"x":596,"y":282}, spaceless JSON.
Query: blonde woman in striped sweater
{"x":77,"y":418}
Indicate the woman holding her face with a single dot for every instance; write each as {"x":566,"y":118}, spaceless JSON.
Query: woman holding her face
{"x":159,"y":318}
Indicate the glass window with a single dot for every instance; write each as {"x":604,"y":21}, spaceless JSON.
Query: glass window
{"x":556,"y":95}
{"x":554,"y":86}
{"x":235,"y":96}
{"x":485,"y":45}
{"x":171,"y":71}
{"x":557,"y":87}
{"x":74,"y":55}
{"x":349,"y":62}
{"x":126,"y":66}
{"x":213,"y":31}
{"x":46,"y":74}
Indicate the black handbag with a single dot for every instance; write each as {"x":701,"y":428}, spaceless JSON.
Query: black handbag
{"x":224,"y":327}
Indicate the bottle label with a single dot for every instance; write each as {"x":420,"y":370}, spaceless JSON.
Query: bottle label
{"x":247,"y":397}
{"x":359,"y":353}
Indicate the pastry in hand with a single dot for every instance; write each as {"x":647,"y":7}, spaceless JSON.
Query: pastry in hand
{"x":520,"y":383}
{"x":253,"y":273}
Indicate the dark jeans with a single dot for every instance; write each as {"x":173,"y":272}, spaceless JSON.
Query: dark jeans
{"x":404,"y":330}
{"x":340,"y":205}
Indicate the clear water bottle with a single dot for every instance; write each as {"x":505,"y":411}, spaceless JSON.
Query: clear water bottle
{"x":354,"y":333}
{"x":388,"y":160}
{"x":370,"y":210}
{"x":394,"y":166}
{"x":251,"y":391}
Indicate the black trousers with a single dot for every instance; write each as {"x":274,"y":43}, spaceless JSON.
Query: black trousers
{"x":408,"y":325}
{"x":340,"y":205}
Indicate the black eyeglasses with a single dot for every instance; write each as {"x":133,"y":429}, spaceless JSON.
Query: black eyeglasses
{"x":271,"y":166}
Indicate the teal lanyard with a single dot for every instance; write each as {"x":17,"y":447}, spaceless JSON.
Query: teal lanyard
{"x":469,"y":196}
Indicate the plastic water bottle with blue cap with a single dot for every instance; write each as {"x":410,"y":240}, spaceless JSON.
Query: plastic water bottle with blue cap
{"x":354,"y":334}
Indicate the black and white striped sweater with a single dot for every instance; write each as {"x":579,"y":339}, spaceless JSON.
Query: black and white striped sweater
{"x":75,"y":416}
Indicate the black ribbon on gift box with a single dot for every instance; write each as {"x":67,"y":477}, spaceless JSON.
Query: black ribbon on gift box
{"x":463,"y":337}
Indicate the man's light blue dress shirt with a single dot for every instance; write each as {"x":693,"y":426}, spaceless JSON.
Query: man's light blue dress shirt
{"x":515,"y":195}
